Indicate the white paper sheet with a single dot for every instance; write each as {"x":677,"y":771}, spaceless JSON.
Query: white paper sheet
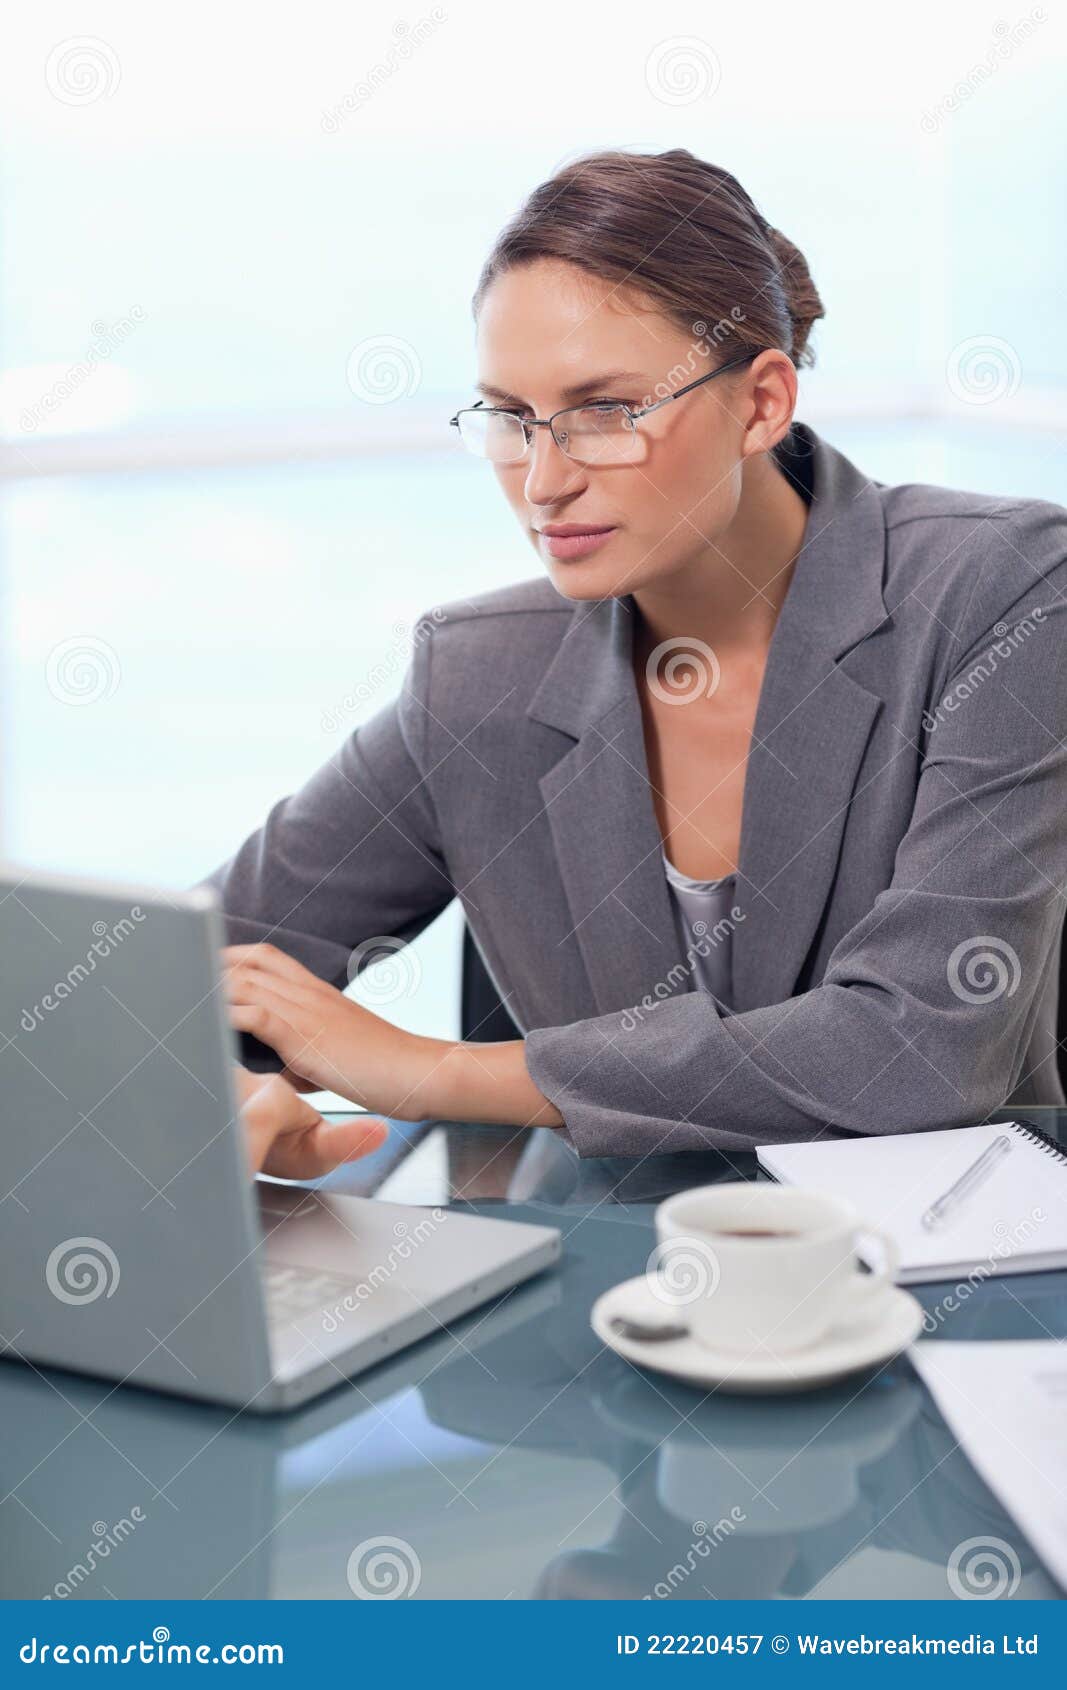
{"x":1006,"y":1402}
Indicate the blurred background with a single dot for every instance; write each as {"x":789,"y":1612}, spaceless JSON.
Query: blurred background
{"x":237,"y":249}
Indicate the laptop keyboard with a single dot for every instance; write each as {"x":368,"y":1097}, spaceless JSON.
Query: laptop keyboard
{"x":294,"y":1291}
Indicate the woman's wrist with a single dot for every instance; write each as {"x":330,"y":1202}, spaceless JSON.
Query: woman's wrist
{"x":332,"y":1042}
{"x":459,"y":1080}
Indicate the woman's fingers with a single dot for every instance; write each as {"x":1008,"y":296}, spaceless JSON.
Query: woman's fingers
{"x":266,"y":959}
{"x":324,"y":1146}
{"x":272,"y":1023}
{"x":271,"y":1110}
{"x":268,"y":955}
{"x":244,"y":982}
{"x":320,"y":1034}
{"x":265,"y":1024}
{"x":286,"y":1137}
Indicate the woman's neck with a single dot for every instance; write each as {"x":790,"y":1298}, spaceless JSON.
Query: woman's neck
{"x":732,"y":592}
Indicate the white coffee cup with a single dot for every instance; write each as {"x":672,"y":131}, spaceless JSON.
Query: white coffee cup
{"x":752,"y":1267}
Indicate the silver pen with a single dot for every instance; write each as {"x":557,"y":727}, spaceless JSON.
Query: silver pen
{"x":974,"y":1175}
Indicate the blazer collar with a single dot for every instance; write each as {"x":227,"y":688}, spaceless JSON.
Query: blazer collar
{"x":835,"y":597}
{"x":810,"y":731}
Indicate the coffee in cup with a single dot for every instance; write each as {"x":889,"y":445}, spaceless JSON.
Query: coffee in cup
{"x":759,"y":1268}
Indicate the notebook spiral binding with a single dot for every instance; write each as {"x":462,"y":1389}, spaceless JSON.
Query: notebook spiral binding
{"x":1042,"y":1139}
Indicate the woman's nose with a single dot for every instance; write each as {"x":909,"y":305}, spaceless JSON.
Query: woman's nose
{"x":550,"y":474}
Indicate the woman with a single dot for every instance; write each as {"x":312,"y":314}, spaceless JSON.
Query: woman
{"x":754,"y":799}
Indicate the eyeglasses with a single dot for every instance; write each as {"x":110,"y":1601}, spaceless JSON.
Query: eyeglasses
{"x":604,"y":432}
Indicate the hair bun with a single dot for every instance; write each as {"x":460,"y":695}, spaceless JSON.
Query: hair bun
{"x":802,"y":296}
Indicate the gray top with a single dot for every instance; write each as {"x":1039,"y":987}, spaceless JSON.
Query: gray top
{"x":903,"y":852}
{"x":702,"y":908}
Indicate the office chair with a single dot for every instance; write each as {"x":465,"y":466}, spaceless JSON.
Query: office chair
{"x":482,"y":1015}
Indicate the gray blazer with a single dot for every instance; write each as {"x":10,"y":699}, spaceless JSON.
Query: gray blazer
{"x":903,"y":851}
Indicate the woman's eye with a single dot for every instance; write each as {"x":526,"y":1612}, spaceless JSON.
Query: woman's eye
{"x":525,"y":411}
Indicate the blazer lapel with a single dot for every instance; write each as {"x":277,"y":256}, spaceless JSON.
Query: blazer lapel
{"x":599,"y":807}
{"x":811,"y":728}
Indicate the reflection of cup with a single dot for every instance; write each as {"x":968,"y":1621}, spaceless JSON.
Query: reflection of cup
{"x":789,"y":1464}
{"x":757,"y":1267}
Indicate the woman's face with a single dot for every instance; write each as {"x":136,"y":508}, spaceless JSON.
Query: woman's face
{"x":547,"y":329}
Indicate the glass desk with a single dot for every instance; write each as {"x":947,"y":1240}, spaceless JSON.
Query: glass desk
{"x":512,"y":1456}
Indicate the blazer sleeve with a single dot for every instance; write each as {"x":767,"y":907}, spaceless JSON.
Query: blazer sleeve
{"x":922,"y":1017}
{"x":354,"y":855}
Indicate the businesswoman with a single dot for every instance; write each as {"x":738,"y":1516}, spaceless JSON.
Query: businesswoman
{"x":755,"y":797}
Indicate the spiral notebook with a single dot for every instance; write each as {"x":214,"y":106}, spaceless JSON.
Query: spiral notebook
{"x":1014,"y":1220}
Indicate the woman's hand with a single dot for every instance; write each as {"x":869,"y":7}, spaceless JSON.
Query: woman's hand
{"x":327,"y":1041}
{"x":330,"y":1043}
{"x":284,"y":1136}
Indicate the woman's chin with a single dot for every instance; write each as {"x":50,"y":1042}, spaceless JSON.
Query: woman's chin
{"x":580,"y":581}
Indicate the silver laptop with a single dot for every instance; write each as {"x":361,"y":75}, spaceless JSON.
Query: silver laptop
{"x":133,"y":1244}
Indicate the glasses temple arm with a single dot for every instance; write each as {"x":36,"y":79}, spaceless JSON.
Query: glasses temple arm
{"x":731,"y":364}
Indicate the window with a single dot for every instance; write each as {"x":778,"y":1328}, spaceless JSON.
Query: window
{"x":235,"y":314}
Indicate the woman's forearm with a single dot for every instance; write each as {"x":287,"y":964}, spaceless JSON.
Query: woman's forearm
{"x":334,"y":1043}
{"x":465,"y":1081}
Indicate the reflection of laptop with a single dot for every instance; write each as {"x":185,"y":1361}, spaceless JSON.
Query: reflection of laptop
{"x":199,"y":1502}
{"x":132,"y":1243}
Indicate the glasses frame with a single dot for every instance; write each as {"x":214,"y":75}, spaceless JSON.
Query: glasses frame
{"x":632,"y":416}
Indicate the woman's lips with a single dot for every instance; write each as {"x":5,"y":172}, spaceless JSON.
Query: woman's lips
{"x":575,"y":545}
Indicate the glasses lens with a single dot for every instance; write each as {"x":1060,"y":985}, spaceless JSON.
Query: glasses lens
{"x":596,"y":434}
{"x":492,"y":434}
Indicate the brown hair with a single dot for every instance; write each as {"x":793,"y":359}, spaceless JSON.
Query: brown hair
{"x":683,"y":232}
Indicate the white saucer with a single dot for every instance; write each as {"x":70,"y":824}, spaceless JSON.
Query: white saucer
{"x":845,"y":1350}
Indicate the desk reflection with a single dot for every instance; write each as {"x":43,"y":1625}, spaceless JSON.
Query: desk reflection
{"x":514,"y":1456}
